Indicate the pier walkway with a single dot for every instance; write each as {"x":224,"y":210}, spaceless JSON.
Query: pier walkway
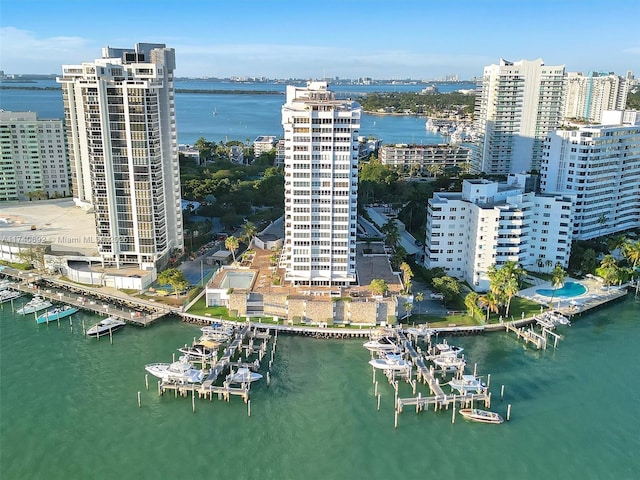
{"x":129,"y":309}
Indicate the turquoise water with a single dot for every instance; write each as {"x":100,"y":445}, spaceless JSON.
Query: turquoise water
{"x":569,"y":289}
{"x":68,"y":409}
{"x":241,"y":117}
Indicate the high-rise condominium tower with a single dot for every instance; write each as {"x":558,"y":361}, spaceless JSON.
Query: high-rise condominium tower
{"x":587,"y":96}
{"x":121,"y":130}
{"x":321,"y":186}
{"x":518,"y":103}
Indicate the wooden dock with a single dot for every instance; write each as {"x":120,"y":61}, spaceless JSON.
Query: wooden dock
{"x":128,"y":309}
{"x":224,"y":392}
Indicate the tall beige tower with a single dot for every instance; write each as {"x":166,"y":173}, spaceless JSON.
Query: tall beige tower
{"x":121,"y":130}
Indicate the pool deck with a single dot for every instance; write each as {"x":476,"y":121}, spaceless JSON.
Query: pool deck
{"x":596,"y":295}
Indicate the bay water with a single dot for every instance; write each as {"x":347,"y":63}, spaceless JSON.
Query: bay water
{"x":68,"y":409}
{"x":243,"y":117}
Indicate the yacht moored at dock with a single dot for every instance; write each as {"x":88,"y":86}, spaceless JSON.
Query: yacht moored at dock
{"x":467,"y":384}
{"x":177,"y":372}
{"x":34,"y":305}
{"x":243,"y":375}
{"x":105,"y":327}
{"x":56,"y":314}
{"x":8,"y":295}
{"x":390,"y":361}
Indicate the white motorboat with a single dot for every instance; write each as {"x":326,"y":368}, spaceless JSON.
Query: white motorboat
{"x":34,"y":305}
{"x":243,"y":375}
{"x":8,"y":295}
{"x":218,"y":332}
{"x":558,"y":319}
{"x":420,"y":331}
{"x":390,"y":361}
{"x":448,"y":362}
{"x":383,"y":344}
{"x":482,"y":416}
{"x":178,"y":372}
{"x":445,"y":349}
{"x":209,"y":342}
{"x":105,"y":327}
{"x":467,"y":384}
{"x":198,"y":351}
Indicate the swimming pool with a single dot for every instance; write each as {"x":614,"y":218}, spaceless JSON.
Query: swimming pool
{"x":237,"y":279}
{"x":569,"y":289}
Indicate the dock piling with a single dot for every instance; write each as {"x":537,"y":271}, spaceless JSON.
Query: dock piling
{"x":139,"y":402}
{"x":146,"y":380}
{"x":508,"y":412}
{"x":378,"y":402}
{"x":502,"y":392}
{"x":248,"y":408}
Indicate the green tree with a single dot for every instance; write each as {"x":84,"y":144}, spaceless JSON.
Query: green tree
{"x":557,"y":279}
{"x":231,"y":243}
{"x":490,"y":302}
{"x":392,"y":235}
{"x":631,"y":251}
{"x":249,"y":231}
{"x":407,"y":275}
{"x":378,"y":286}
{"x":608,"y":270}
{"x":471,"y":302}
{"x":419,"y":298}
{"x":448,"y":287}
{"x":510,"y":289}
{"x":33,"y":256}
{"x":175,"y":278}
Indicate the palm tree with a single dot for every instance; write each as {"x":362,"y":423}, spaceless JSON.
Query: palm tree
{"x":511,"y":288}
{"x":557,"y":279}
{"x":232,"y":243}
{"x":392,"y":235}
{"x":631,"y":251}
{"x":408,"y":307}
{"x":490,"y":301}
{"x":249,"y":231}
{"x":419,"y":297}
{"x":407,"y":274}
{"x":471,"y":302}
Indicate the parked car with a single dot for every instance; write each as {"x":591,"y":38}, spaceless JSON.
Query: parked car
{"x":436,"y":296}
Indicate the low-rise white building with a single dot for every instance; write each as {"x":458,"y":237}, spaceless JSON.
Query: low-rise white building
{"x":263,"y":144}
{"x":423,"y":157}
{"x":490,"y":223}
{"x":600,"y":166}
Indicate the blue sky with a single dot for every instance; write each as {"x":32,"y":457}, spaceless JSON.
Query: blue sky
{"x":421,"y":39}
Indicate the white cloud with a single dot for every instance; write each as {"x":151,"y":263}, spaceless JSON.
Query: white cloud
{"x":22,"y":51}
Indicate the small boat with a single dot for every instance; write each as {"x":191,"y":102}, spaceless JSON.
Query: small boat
{"x":482,"y":416}
{"x":8,"y":295}
{"x":56,"y":314}
{"x":218,"y":332}
{"x":448,"y":362}
{"x":209,"y":342}
{"x":178,"y":372}
{"x":34,"y":305}
{"x":445,"y":349}
{"x":105,"y":327}
{"x":390,"y":361}
{"x":420,"y":331}
{"x":467,"y":384}
{"x":383,"y":344}
{"x":198,"y":351}
{"x":243,"y":375}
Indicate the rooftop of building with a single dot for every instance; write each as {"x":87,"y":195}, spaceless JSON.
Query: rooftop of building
{"x":58,"y":223}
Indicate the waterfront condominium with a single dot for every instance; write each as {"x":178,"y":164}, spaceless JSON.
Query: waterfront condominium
{"x":33,"y":157}
{"x":600,"y":166}
{"x":517,"y":104}
{"x":121,"y":130}
{"x":321,"y":186}
{"x":587,"y":96}
{"x":490,"y":223}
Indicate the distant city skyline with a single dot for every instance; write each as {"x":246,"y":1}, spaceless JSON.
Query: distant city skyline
{"x":352,"y":39}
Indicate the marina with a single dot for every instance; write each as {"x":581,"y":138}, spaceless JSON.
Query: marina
{"x":319,"y":390}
